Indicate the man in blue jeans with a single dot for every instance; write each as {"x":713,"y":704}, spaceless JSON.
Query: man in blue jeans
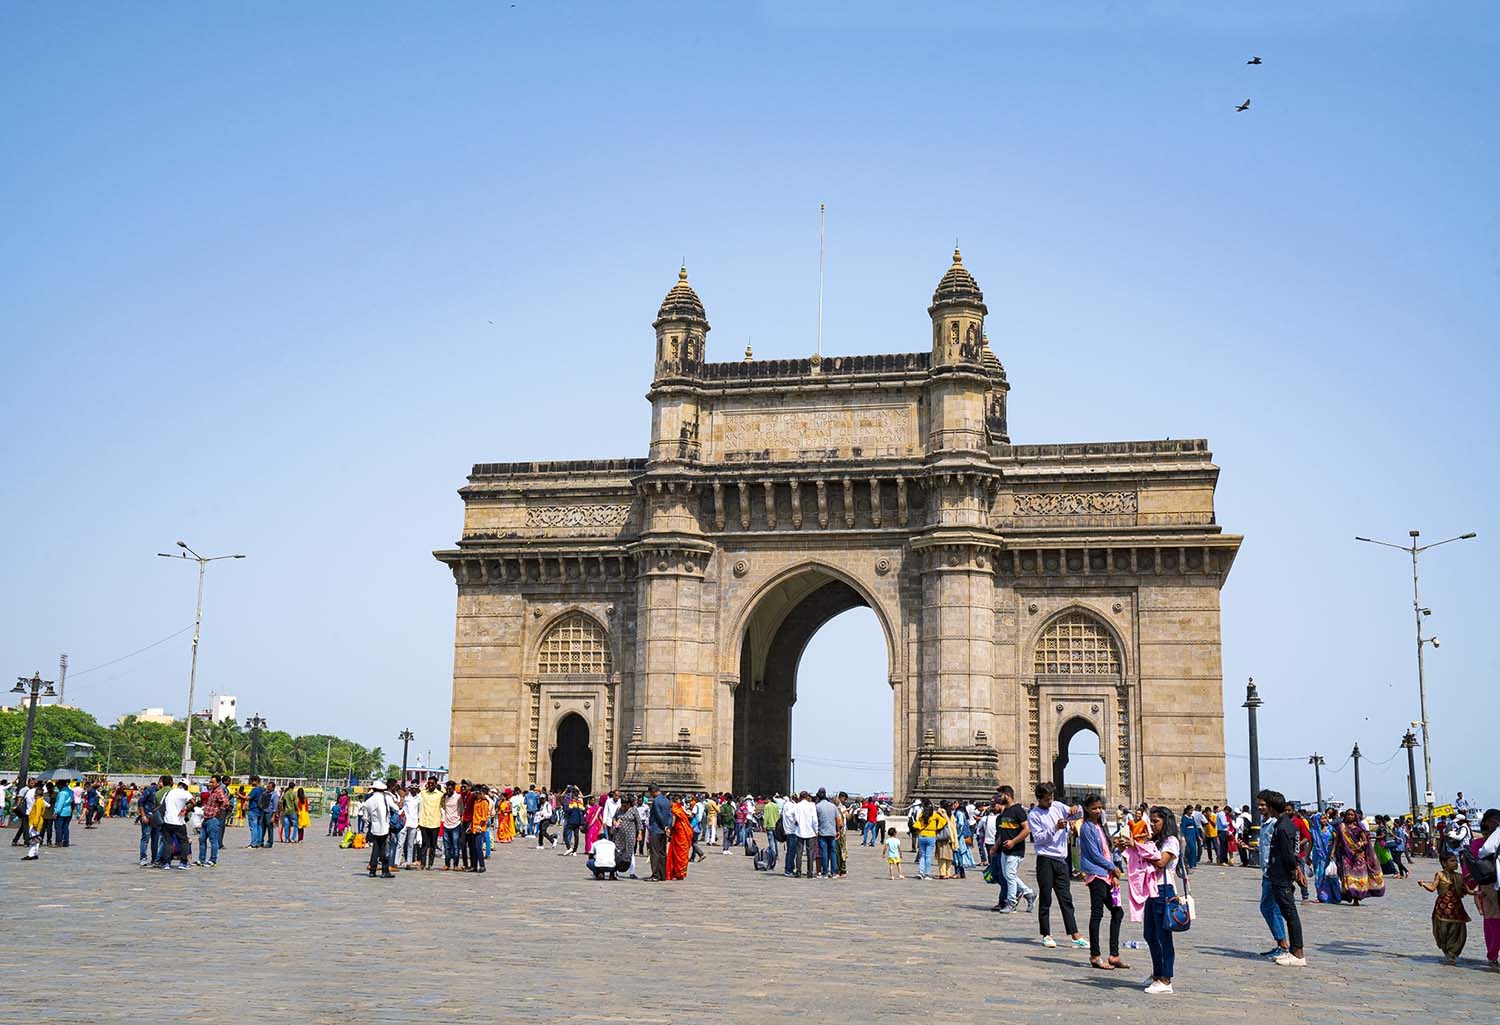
{"x":253,"y":817}
{"x":147,"y":815}
{"x":1268,"y":909}
{"x":828,"y":827}
{"x":214,"y":800}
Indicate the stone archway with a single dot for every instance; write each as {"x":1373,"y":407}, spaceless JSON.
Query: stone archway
{"x":1074,"y":793}
{"x":782,"y":619}
{"x":572,"y":758}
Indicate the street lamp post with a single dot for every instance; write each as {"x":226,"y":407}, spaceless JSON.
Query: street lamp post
{"x":35,"y":686}
{"x":1252,"y":702}
{"x":1316,"y":761}
{"x":406,"y":737}
{"x":1358,"y":801}
{"x":202,"y":561}
{"x":1419,"y":613}
{"x":256,"y":724}
{"x":1410,"y":743}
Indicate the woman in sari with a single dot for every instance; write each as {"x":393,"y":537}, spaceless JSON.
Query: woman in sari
{"x":593,"y":823}
{"x":505,"y":820}
{"x":1354,"y":852}
{"x":1322,"y":841}
{"x":680,"y":844}
{"x":343,"y":812}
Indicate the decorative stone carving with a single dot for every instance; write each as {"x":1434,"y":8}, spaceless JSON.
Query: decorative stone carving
{"x":1076,"y":503}
{"x":741,"y":567}
{"x":577,"y":515}
{"x":882,"y":566}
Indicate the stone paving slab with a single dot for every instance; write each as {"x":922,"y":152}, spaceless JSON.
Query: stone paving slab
{"x":300,"y":934}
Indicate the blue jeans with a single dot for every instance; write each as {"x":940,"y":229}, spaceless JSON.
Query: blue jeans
{"x":62,"y":824}
{"x":257,"y":826}
{"x":791,"y":852}
{"x":150,"y":838}
{"x":870,"y":832}
{"x":771,"y":844}
{"x":209,"y":839}
{"x":452,"y":846}
{"x":1159,"y":938}
{"x":1015,"y":889}
{"x":267,"y":829}
{"x":830,"y":858}
{"x":925,"y":845}
{"x":997,"y":873}
{"x":1271,"y":912}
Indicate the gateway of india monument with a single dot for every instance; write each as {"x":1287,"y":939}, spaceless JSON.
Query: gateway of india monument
{"x":640,"y":620}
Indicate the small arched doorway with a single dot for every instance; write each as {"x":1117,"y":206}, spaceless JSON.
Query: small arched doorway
{"x":1078,"y":743}
{"x":572,"y":759}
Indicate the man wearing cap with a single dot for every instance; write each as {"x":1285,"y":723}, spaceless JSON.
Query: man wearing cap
{"x":377,"y":809}
{"x":658,"y":827}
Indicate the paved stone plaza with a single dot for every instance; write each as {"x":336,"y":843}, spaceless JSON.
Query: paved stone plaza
{"x":300,"y":934}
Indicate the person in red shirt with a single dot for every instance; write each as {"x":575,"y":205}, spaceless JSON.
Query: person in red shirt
{"x":1304,"y":849}
{"x":870,"y":836}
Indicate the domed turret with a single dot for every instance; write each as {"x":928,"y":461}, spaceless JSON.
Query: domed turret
{"x":681,"y":330}
{"x":957,"y":313}
{"x":681,"y":303}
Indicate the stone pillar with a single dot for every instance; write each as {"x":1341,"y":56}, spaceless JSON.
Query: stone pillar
{"x":489,"y":738}
{"x":956,"y":756}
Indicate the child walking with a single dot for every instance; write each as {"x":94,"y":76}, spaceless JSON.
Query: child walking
{"x":893,"y":853}
{"x":1450,"y":922}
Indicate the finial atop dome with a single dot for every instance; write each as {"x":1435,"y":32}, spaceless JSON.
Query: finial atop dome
{"x":681,"y":302}
{"x":958,"y":285}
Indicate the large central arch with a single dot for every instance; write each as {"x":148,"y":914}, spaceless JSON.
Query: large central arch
{"x":778,"y":622}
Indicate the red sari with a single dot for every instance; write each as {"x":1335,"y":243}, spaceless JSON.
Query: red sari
{"x":680,"y":845}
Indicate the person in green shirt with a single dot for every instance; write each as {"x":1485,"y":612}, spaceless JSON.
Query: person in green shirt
{"x":770,"y":816}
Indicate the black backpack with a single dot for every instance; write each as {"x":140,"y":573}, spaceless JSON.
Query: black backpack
{"x":1480,"y":870}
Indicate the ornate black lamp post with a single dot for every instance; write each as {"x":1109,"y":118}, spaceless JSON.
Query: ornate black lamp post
{"x":35,"y":686}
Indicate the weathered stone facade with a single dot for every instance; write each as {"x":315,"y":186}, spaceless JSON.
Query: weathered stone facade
{"x":658,"y":607}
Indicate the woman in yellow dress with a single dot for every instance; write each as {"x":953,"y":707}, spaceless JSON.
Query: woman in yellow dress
{"x":303,"y":817}
{"x":505,"y":824}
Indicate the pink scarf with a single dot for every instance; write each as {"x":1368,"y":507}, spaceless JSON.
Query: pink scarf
{"x":1141,"y":877}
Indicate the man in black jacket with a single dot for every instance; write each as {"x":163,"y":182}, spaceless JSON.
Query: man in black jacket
{"x":1284,"y":870}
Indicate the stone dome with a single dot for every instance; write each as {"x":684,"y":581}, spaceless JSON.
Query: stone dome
{"x":989,"y":360}
{"x":958,"y":286}
{"x":681,"y":302}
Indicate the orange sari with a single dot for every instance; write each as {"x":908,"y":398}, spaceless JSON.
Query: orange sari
{"x":505,"y":825}
{"x":681,"y":843}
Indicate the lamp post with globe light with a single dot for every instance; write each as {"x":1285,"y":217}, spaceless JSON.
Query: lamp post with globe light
{"x":37,"y":687}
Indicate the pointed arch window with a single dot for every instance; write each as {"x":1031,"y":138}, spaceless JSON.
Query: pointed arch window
{"x":1077,"y":644}
{"x":575,"y":645}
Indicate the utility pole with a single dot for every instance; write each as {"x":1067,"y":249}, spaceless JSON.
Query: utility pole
{"x":36,"y":686}
{"x":327,"y":763}
{"x":1358,"y":801}
{"x":1420,"y":613}
{"x":256,"y":724}
{"x":1316,"y":761}
{"x":1252,"y":702}
{"x":187,"y":553}
{"x":406,"y":737}
{"x":62,"y":678}
{"x":1409,"y":741}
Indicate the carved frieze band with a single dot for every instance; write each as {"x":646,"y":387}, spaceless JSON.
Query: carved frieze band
{"x":577,"y":515}
{"x":1076,"y":503}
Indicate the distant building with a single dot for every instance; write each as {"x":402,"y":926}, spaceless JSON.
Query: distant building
{"x":149,"y":715}
{"x":225,"y":706}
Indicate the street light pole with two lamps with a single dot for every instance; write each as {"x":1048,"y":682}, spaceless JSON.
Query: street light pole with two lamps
{"x":202,"y":561}
{"x":1420,"y":613}
{"x":36,"y":686}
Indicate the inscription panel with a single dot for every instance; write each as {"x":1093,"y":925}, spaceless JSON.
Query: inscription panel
{"x":811,"y":431}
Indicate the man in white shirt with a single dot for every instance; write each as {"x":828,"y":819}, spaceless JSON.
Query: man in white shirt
{"x":601,"y":858}
{"x":409,"y":846}
{"x":377,"y":810}
{"x":175,"y":804}
{"x":805,"y":821}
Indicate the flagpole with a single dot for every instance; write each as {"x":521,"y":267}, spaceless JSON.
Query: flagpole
{"x":820,"y":279}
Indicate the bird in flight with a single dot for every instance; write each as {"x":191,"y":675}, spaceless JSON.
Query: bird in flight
{"x":1243,"y":106}
{"x":1255,"y":60}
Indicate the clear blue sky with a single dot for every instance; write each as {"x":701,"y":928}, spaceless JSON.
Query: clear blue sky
{"x":250,"y":258}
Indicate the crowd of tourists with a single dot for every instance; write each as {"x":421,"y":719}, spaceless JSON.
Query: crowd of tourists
{"x":1137,"y":862}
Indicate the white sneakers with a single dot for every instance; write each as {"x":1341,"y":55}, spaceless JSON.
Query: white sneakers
{"x":1048,"y":941}
{"x":1287,"y":960}
{"x":1158,"y":987}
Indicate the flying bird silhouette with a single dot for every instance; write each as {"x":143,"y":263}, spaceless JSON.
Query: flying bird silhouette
{"x":1252,"y":60}
{"x":1243,"y":106}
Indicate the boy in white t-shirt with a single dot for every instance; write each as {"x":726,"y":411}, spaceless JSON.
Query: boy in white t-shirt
{"x":602,"y":858}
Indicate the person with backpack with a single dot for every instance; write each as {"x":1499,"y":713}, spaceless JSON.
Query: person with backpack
{"x":378,"y":809}
{"x":1479,"y":869}
{"x":148,"y":815}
